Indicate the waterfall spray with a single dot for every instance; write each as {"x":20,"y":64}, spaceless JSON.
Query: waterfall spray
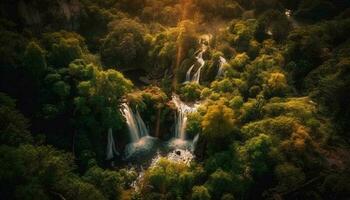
{"x":111,"y":148}
{"x":194,"y":143}
{"x":221,"y":66}
{"x":136,"y":126}
{"x":196,"y":77}
{"x":181,"y":119}
{"x":188,"y":74}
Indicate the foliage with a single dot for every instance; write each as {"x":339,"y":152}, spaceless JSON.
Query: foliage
{"x":218,"y":126}
{"x":168,"y":179}
{"x":190,"y":92}
{"x":124,"y":45}
{"x":63,"y":47}
{"x":200,"y":193}
{"x":34,"y":60}
{"x":14,"y":126}
{"x":275,"y":125}
{"x":31,"y":172}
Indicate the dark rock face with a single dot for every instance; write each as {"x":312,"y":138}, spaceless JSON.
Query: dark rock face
{"x":38,"y":15}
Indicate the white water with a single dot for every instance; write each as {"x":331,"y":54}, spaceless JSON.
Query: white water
{"x":111,"y":148}
{"x":204,"y":41}
{"x":136,"y":126}
{"x":221,"y":67}
{"x":196,"y":77}
{"x":180,"y":149}
{"x":181,"y":119}
{"x":194,"y":143}
{"x":188,"y":74}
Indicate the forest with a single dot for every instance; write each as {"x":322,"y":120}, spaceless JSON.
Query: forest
{"x":174,"y":99}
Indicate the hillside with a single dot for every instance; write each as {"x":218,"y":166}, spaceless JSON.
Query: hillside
{"x":174,"y":99}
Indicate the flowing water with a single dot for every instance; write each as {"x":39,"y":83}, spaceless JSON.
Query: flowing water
{"x":141,"y":143}
{"x":146,"y":152}
{"x":111,"y":148}
{"x":136,"y":126}
{"x":199,"y":59}
{"x":188,"y":74}
{"x":194,"y":143}
{"x":183,"y":110}
{"x":221,"y":67}
{"x":196,"y":77}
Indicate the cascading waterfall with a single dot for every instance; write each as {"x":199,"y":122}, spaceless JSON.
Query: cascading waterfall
{"x":196,"y":77}
{"x":111,"y":148}
{"x":221,"y":67}
{"x":181,"y":119}
{"x":188,"y":74}
{"x":194,"y":143}
{"x":136,"y":126}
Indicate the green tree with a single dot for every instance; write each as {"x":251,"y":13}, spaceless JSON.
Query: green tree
{"x":14,"y":127}
{"x":34,"y":61}
{"x":218,"y":122}
{"x":29,"y":172}
{"x":255,"y":152}
{"x":289,"y":176}
{"x":219,"y":183}
{"x":276,"y":85}
{"x":63,"y":47}
{"x":200,"y":193}
{"x":167,"y":178}
{"x":108,"y":182}
{"x":190,"y":92}
{"x":124,"y":46}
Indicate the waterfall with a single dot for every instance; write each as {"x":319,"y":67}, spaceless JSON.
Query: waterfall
{"x":188,"y":74}
{"x":196,"y":77}
{"x":194,"y":142}
{"x":221,"y":67}
{"x":136,"y":126}
{"x":181,"y":118}
{"x":111,"y":149}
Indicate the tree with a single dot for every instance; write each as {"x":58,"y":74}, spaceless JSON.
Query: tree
{"x":274,"y":21}
{"x":28,"y":172}
{"x":289,"y":176}
{"x":34,"y":61}
{"x":13,"y":125}
{"x":190,"y":92}
{"x":276,"y":85}
{"x":223,"y":86}
{"x":236,"y":102}
{"x":108,"y":182}
{"x":255,"y":152}
{"x":167,"y":178}
{"x":124,"y":45}
{"x":218,"y":122}
{"x":219,"y":183}
{"x":200,"y":193}
{"x":63,"y":47}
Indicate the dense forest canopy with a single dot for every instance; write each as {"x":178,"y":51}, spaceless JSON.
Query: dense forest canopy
{"x":174,"y":99}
